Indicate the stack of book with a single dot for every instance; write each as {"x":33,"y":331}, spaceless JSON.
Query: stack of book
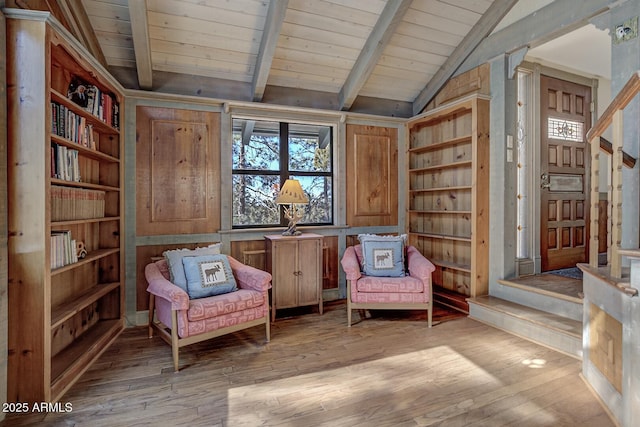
{"x":64,"y":163}
{"x":63,"y":249}
{"x":69,"y":203}
{"x":69,"y":125}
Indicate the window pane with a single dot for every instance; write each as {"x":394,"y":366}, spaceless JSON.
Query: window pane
{"x":319,"y":190}
{"x":256,"y":145}
{"x":568,"y":130}
{"x":309,"y":148}
{"x":253,"y":200}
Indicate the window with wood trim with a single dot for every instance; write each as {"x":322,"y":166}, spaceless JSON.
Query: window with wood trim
{"x":265,"y":155}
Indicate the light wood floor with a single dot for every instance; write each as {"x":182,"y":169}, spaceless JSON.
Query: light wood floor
{"x":390,"y":370}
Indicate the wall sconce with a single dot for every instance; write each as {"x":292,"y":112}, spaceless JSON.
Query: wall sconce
{"x":292,"y":196}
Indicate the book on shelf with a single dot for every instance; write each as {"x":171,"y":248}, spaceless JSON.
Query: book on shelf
{"x":63,"y":248}
{"x":70,"y":203}
{"x":65,"y":163}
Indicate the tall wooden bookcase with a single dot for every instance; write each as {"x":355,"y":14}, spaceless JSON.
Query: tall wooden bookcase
{"x":448,"y":216}
{"x":60,"y":319}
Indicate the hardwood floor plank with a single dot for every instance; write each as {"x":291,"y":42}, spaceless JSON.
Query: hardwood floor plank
{"x":387,"y":370}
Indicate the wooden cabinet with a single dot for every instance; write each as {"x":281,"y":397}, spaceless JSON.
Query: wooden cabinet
{"x":62,"y":185}
{"x":295,"y":262}
{"x":449,"y":193}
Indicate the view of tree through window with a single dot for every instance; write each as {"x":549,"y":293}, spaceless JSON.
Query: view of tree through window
{"x":265,"y":154}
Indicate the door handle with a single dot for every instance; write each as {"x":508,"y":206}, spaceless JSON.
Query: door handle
{"x":546,"y":181}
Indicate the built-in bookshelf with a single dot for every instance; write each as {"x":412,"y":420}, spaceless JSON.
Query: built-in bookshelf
{"x":66,"y":288}
{"x":448,"y":193}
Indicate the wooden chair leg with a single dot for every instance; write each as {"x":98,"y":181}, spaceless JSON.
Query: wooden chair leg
{"x":430,"y":313}
{"x":152,"y":304}
{"x":268,"y":326}
{"x":174,"y":339}
{"x":349,"y":303}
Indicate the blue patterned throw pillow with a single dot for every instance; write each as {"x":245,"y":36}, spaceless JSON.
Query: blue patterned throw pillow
{"x":176,"y":268}
{"x":383,"y":255}
{"x":208,"y":275}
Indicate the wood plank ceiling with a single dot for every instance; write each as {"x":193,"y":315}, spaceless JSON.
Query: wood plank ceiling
{"x":345,"y":51}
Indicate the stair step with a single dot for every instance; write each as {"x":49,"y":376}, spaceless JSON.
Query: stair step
{"x":549,"y":284}
{"x":560,"y":333}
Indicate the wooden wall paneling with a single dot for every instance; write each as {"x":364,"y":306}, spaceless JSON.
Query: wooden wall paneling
{"x":3,"y":219}
{"x":250,"y":252}
{"x":372,"y":176}
{"x":144,"y":255}
{"x":605,"y":345}
{"x":331,"y":263}
{"x":177,"y":171}
{"x":475,"y":80}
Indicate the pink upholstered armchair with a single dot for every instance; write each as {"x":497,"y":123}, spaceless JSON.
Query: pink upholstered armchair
{"x":181,"y":321}
{"x":411,"y":292}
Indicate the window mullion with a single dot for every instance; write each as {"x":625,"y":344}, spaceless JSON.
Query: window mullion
{"x":284,"y":161}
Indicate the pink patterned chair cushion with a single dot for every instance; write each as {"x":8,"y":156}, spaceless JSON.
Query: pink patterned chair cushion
{"x":230,"y":319}
{"x":406,"y":284}
{"x":389,"y":298}
{"x":240,"y":300}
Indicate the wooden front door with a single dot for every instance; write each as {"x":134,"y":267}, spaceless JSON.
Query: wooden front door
{"x":565,"y":118}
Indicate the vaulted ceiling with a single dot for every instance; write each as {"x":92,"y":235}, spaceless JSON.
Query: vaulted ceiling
{"x":344,"y":52}
{"x":358,"y":55}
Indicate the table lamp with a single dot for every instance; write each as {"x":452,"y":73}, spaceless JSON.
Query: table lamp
{"x":292,"y":197}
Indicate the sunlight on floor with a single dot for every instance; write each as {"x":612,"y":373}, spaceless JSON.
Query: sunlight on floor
{"x":535,"y":363}
{"x":365,"y":390}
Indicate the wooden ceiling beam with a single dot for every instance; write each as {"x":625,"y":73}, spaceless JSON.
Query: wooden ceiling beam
{"x":272,"y":27}
{"x":482,"y":28}
{"x":77,"y":18}
{"x":247,"y":131}
{"x":378,"y":39}
{"x":141,"y":43}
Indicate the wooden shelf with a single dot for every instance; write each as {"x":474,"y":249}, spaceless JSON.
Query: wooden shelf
{"x":440,"y":145}
{"x":70,"y":363}
{"x":442,"y":236}
{"x":453,"y":165}
{"x":451,"y":265}
{"x":86,"y":185}
{"x":91,"y":256}
{"x":427,"y":190}
{"x":438,"y":212}
{"x":85,"y":151}
{"x":71,"y":308}
{"x":84,"y":221}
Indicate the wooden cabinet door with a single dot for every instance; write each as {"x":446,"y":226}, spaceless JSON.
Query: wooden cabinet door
{"x":285,"y":267}
{"x":309,"y":271}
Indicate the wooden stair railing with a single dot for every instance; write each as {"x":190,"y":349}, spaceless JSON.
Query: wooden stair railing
{"x":627,"y":159}
{"x":611,"y":116}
